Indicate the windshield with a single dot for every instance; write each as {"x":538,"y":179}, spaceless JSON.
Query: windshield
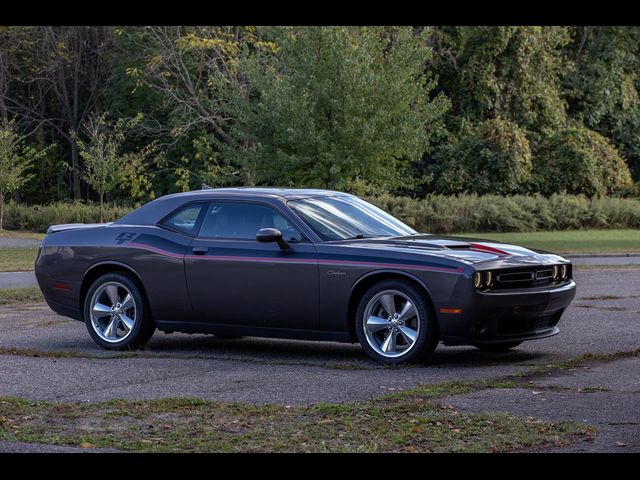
{"x":347,"y":217}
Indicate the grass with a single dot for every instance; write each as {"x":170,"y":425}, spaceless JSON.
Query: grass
{"x":21,"y":295}
{"x":22,"y":234}
{"x":406,"y":421}
{"x":402,"y":423}
{"x":572,"y":241}
{"x":17,"y":259}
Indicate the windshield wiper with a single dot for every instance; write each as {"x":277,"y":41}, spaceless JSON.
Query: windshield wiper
{"x":361,"y":235}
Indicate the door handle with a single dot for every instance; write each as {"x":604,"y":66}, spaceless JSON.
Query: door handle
{"x":200,"y":250}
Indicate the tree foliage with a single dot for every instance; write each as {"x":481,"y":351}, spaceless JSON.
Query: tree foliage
{"x":338,"y":107}
{"x":579,"y":160}
{"x":16,"y":159}
{"x":492,"y":157}
{"x":106,"y":166}
{"x":485,"y":109}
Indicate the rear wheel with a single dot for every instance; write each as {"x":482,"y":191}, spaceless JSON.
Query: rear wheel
{"x":115,"y":313}
{"x":498,"y":347}
{"x":394,"y":325}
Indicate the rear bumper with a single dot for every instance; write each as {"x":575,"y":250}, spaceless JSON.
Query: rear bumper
{"x":506,"y":316}
{"x":61,"y":296}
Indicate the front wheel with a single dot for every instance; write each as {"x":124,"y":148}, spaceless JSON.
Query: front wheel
{"x":394,"y":324}
{"x":115,"y":313}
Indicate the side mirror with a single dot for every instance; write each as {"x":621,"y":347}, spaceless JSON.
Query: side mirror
{"x":268,"y":235}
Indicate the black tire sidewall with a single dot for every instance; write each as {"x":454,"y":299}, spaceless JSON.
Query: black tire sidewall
{"x":143,"y":328}
{"x":427,"y":336}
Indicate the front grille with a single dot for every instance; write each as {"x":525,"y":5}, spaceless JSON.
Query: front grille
{"x":525,"y":277}
{"x":515,"y":325}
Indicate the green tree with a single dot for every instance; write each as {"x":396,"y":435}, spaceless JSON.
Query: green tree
{"x":579,"y":160}
{"x":15,"y":160}
{"x":603,"y":87}
{"x":503,"y":72}
{"x":492,"y":157}
{"x":106,"y":165}
{"x":337,"y":107}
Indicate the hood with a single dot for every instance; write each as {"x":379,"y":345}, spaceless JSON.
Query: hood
{"x":467,"y":250}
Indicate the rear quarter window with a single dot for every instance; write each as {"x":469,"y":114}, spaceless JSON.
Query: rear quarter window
{"x":185,"y":219}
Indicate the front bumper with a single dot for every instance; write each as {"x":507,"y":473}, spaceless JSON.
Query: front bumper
{"x":506,"y":316}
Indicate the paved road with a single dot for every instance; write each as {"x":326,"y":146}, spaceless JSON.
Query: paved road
{"x":606,"y":260}
{"x":12,"y":242}
{"x":17,"y":279}
{"x":602,"y":319}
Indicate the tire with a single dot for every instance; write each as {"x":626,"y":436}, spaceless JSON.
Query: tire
{"x":133,"y":326}
{"x":375,"y":325}
{"x":497,"y":347}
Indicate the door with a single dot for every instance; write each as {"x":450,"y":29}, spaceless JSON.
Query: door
{"x":235,"y":280}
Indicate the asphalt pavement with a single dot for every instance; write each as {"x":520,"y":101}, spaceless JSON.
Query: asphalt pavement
{"x":13,"y":242}
{"x":17,"y":279}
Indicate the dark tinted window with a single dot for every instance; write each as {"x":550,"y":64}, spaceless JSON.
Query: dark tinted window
{"x":185,"y":219}
{"x":243,"y":220}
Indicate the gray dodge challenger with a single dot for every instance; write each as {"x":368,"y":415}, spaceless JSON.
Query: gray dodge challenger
{"x":301,"y":264}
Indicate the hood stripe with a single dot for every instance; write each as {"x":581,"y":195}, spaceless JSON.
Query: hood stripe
{"x":486,"y":248}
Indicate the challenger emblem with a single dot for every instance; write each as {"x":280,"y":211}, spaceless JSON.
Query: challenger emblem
{"x":336,"y":272}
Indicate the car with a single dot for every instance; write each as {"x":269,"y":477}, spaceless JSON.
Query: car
{"x":305,"y":264}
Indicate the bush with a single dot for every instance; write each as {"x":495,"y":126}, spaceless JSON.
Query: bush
{"x":433,"y":214}
{"x":578,"y":160}
{"x":516,"y":213}
{"x":38,"y":218}
{"x":494,"y":157}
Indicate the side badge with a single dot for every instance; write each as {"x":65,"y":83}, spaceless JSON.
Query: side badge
{"x":336,"y":273}
{"x":125,"y":237}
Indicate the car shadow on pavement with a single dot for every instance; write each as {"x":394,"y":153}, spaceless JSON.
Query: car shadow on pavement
{"x":274,"y":350}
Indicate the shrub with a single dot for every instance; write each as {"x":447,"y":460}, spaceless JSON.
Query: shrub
{"x":494,"y":157}
{"x":580,"y":161}
{"x":38,"y":218}
{"x":516,"y":213}
{"x":434,"y":213}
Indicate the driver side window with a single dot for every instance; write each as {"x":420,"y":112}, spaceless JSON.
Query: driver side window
{"x":242,"y":221}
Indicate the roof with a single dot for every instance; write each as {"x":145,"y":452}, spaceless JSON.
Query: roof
{"x":258,"y":191}
{"x":157,"y":209}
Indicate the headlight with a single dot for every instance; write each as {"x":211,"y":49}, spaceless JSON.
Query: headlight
{"x":488,"y":279}
{"x":477,"y":280}
{"x":564,"y":271}
{"x":556,"y":272}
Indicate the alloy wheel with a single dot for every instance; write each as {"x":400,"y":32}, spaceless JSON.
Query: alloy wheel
{"x":113,"y":312}
{"x":391,"y":323}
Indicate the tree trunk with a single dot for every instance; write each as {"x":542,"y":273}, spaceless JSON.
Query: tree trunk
{"x":75,"y":170}
{"x":102,"y":208}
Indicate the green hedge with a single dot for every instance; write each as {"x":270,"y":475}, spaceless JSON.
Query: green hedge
{"x":517,"y":213}
{"x":37,"y":218}
{"x":435,"y":213}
